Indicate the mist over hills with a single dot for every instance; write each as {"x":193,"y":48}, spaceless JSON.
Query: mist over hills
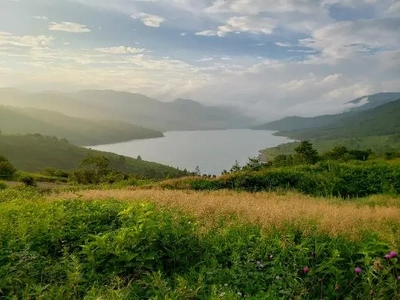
{"x":15,"y":120}
{"x":133,"y":108}
{"x":381,"y":120}
{"x":294,"y":123}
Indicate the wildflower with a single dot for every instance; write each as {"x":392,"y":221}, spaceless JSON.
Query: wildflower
{"x":337,"y":288}
{"x":306,"y":270}
{"x":393,"y":254}
{"x":260,"y":264}
{"x":398,"y":279}
{"x":387,"y":256}
{"x":358,"y":270}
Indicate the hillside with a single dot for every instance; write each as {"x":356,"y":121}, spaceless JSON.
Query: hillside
{"x":181,"y":114}
{"x":379,"y":121}
{"x":132,"y":108}
{"x":77,"y":131}
{"x":35,"y":153}
{"x":300,"y":123}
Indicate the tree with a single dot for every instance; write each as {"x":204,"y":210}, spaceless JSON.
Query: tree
{"x":197,"y":171}
{"x":92,"y":170}
{"x":139,"y":157}
{"x":254,"y":164}
{"x":306,"y":154}
{"x":7,"y":170}
{"x":98,"y":163}
{"x":236,"y":167}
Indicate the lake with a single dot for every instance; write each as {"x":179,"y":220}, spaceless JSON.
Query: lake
{"x":213,"y":151}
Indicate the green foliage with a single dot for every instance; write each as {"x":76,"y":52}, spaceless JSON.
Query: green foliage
{"x":305,"y":153}
{"x":3,"y":185}
{"x":323,"y":179}
{"x":28,"y":180}
{"x":35,"y":153}
{"x":7,"y":170}
{"x":80,"y":249}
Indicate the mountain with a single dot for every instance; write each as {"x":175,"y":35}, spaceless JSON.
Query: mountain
{"x":182,"y":114}
{"x":382,"y":120}
{"x":372,"y":101}
{"x":34,"y":153}
{"x":78,"y":131}
{"x":301,"y":123}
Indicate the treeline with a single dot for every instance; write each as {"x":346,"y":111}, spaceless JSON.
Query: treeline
{"x":340,"y":172}
{"x":94,"y":169}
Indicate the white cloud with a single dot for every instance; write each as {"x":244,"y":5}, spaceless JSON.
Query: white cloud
{"x":40,"y":18}
{"x":120,"y":50}
{"x":149,"y":20}
{"x":345,"y":39}
{"x":207,"y":33}
{"x":280,"y":44}
{"x":68,"y":27}
{"x":242,"y":24}
{"x":9,"y":39}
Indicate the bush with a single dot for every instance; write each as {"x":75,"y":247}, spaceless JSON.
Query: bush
{"x":28,"y":180}
{"x":323,"y":179}
{"x":3,"y":185}
{"x":7,"y":170}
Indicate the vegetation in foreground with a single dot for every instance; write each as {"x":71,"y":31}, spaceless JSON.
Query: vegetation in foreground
{"x":125,"y":249}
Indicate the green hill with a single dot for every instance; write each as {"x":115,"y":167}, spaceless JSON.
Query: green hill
{"x":78,"y":131}
{"x":34,"y":153}
{"x":300,"y":123}
{"x":380,"y":121}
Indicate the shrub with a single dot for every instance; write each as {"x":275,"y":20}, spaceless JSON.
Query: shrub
{"x":28,"y":180}
{"x":7,"y":170}
{"x":3,"y":185}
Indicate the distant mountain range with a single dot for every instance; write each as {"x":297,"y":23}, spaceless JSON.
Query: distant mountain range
{"x":137,"y":109}
{"x":15,"y":120}
{"x":381,"y":120}
{"x":296,"y":123}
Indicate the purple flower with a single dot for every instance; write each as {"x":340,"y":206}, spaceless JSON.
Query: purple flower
{"x":358,"y":270}
{"x":398,"y":278}
{"x":393,"y":254}
{"x":387,"y":256}
{"x":306,"y":270}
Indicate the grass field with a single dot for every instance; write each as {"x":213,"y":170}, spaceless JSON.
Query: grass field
{"x":160,"y":244}
{"x":271,"y":210}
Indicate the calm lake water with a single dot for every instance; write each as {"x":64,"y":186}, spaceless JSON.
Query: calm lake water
{"x":213,"y":151}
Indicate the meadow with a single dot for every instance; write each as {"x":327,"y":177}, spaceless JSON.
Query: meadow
{"x":136,"y":243}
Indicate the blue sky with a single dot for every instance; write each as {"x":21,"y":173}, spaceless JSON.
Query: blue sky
{"x":268,"y":57}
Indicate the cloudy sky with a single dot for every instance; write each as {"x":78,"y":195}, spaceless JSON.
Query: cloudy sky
{"x":269,"y":57}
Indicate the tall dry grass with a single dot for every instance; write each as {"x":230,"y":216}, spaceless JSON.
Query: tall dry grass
{"x":271,"y":210}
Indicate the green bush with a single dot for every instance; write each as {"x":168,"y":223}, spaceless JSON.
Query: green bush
{"x":7,"y":170}
{"x":3,"y":185}
{"x":323,"y":179}
{"x":28,"y":180}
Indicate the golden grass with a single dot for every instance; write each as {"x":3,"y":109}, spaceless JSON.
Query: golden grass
{"x":271,"y":210}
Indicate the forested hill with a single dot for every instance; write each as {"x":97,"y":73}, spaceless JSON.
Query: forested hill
{"x":359,"y":104}
{"x":379,"y":121}
{"x":78,"y":131}
{"x":35,"y":153}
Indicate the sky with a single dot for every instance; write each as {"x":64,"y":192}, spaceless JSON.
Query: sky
{"x":269,"y":58}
